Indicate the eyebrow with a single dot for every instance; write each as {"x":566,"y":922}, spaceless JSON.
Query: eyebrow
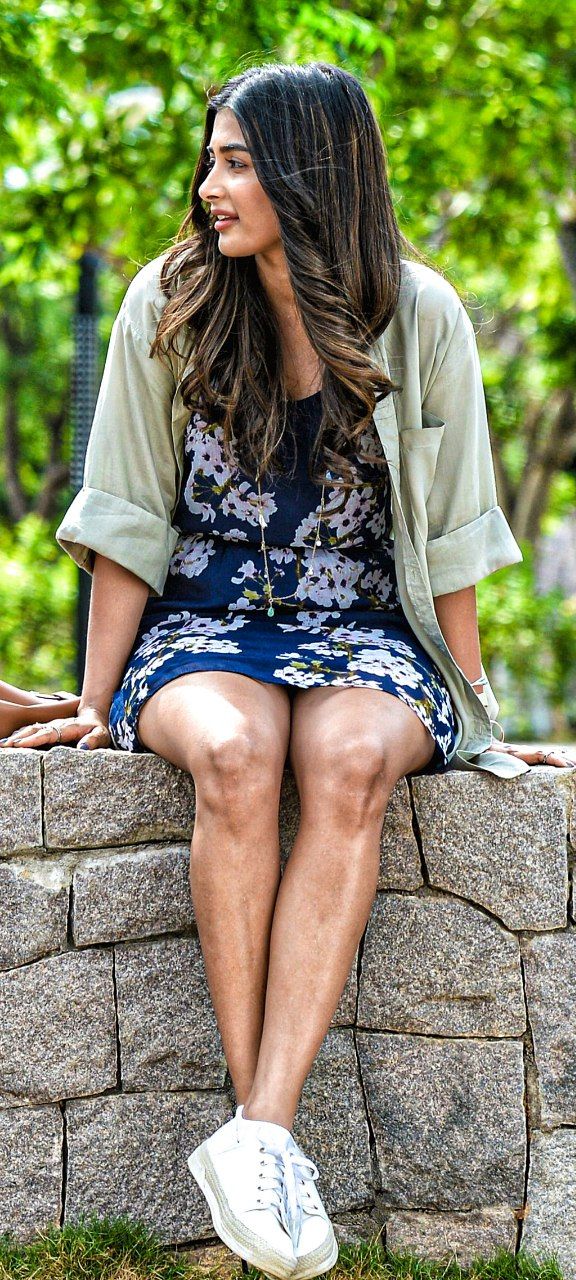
{"x":230,"y":146}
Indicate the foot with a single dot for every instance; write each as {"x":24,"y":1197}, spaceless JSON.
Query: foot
{"x":239,"y":1169}
{"x":305,"y":1217}
{"x":317,"y":1247}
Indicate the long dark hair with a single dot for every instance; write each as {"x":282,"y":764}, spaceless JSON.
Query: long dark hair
{"x":319,"y":155}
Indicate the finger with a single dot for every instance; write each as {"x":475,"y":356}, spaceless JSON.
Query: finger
{"x":28,"y":735}
{"x":561,"y":761}
{"x":96,"y":737}
{"x":38,"y":735}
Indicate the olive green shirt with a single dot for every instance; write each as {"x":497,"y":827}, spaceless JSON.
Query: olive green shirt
{"x":449,"y":531}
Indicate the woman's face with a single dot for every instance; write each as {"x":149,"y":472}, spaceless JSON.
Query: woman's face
{"x":233,"y":188}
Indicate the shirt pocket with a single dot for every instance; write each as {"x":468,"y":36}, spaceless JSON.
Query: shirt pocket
{"x":419,"y":447}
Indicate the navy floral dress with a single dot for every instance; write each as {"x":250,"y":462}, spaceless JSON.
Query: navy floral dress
{"x":342,"y":623}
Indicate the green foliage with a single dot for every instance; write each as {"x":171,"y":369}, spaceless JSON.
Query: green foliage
{"x":37,"y":608}
{"x":100,"y":121}
{"x":533,"y":635}
{"x":106,"y":1248}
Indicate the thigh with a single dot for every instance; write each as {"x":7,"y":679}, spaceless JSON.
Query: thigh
{"x":219,"y":719}
{"x":339,"y":735}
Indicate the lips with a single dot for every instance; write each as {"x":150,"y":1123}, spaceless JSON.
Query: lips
{"x":223,"y":223}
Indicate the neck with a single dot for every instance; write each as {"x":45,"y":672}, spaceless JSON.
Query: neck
{"x":300,"y":363}
{"x":273,"y":274}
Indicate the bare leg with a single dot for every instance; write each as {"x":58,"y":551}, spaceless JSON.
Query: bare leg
{"x":231,"y":733}
{"x":348,"y":748}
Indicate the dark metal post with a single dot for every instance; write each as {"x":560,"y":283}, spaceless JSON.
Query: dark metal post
{"x":85,"y":382}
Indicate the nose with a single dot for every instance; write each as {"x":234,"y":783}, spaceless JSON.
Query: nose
{"x":209,"y":187}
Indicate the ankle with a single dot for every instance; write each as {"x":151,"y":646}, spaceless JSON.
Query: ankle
{"x":274,"y":1113}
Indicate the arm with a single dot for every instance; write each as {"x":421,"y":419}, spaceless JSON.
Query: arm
{"x":468,"y":534}
{"x":457,"y":618}
{"x":131,"y":474}
{"x":458,"y":621}
{"x":116,"y":604}
{"x":117,"y":600}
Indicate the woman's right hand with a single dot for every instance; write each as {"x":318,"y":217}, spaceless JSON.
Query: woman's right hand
{"x":86,"y":730}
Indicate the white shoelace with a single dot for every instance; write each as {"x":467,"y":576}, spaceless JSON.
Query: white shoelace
{"x":285,"y":1171}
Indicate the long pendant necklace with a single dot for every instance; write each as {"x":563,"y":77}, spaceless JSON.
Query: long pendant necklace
{"x":272,"y":599}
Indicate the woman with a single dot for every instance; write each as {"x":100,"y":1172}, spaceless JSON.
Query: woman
{"x":284,"y":557}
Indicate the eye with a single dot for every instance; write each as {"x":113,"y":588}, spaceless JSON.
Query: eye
{"x":234,"y":164}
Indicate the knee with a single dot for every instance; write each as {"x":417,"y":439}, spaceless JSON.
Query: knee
{"x":231,"y":771}
{"x":353,"y":778}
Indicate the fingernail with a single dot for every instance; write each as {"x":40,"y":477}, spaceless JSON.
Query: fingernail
{"x":83,"y":746}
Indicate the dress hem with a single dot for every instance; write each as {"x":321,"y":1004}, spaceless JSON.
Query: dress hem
{"x":438,"y":762}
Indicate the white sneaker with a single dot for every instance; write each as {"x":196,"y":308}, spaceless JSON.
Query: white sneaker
{"x":240,"y":1170}
{"x":316,"y":1247}
{"x":303,"y":1214}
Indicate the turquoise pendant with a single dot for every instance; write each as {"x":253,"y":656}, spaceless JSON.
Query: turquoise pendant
{"x":270,"y":612}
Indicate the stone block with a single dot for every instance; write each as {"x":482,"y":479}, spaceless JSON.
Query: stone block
{"x":289,"y":814}
{"x":331,"y":1125}
{"x":131,"y":893}
{"x":400,"y":865}
{"x":355,"y":1228}
{"x":572,"y":807}
{"x":500,"y":843}
{"x":34,"y":894}
{"x":438,"y":966}
{"x":550,"y":1222}
{"x":550,"y":968}
{"x":453,"y":1237}
{"x":30,"y":1170}
{"x":57,"y":1028}
{"x":167,"y":1027}
{"x":127,"y":1156}
{"x":107,"y":797}
{"x":399,"y":858}
{"x":20,"y":801}
{"x":345,"y":1013}
{"x":448,"y":1120}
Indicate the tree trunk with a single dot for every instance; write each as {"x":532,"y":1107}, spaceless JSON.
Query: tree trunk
{"x":567,"y":242}
{"x":554,"y":453}
{"x":14,"y":492}
{"x":57,"y":473}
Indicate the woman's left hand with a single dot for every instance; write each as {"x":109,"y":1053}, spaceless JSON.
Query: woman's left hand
{"x":560,"y":757}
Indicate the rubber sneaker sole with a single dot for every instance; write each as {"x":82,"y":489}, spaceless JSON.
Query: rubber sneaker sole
{"x":317,"y":1262}
{"x":239,"y":1238}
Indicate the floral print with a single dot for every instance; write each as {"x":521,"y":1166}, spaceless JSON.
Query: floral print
{"x":339,"y":619}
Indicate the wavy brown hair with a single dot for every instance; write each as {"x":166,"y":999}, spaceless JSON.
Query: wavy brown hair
{"x":317,"y":149}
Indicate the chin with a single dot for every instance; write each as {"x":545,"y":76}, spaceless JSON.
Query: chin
{"x":230,"y":252}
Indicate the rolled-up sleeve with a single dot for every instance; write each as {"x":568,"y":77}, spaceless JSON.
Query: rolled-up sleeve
{"x":468,"y":534}
{"x":131,"y":473}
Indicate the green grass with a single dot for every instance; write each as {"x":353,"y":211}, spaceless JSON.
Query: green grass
{"x":95,"y":1248}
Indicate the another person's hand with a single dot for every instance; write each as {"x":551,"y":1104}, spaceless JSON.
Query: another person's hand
{"x":87,"y":730}
{"x":560,"y":757}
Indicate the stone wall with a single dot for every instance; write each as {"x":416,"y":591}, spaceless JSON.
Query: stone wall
{"x":442,"y":1104}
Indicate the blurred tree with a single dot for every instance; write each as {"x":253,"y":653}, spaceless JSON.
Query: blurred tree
{"x":100,"y":127}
